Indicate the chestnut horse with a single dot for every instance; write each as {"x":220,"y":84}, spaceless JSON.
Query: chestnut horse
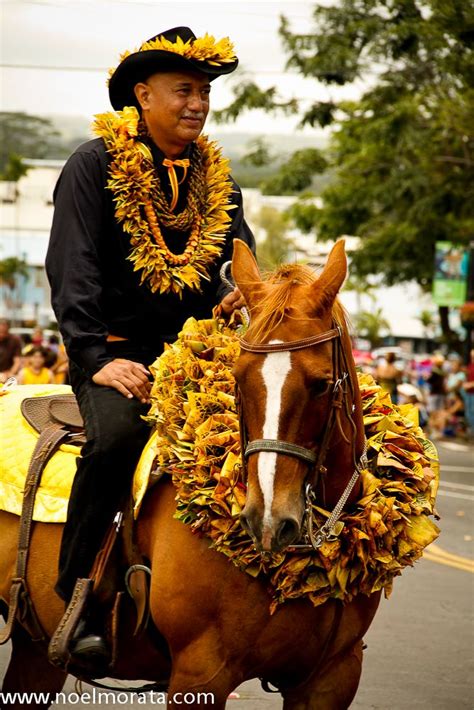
{"x":301,"y":438}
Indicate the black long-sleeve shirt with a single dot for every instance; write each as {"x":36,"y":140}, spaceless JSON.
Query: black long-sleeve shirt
{"x":95,"y":291}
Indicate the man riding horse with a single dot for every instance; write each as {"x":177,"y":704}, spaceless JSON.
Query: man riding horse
{"x":145,"y":215}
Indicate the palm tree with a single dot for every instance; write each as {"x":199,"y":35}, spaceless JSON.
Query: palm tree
{"x":370,"y":325}
{"x":428,"y":321}
{"x":11,"y":270}
{"x":361,"y":287}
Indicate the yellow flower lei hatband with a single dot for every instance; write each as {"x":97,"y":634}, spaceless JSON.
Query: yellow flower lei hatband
{"x":135,"y":185}
{"x":201,"y":49}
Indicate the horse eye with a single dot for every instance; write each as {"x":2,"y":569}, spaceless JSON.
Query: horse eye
{"x":319,"y":387}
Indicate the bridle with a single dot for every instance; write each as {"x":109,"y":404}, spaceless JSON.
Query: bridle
{"x":315,"y":460}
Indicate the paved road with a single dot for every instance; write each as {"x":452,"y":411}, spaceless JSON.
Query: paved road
{"x":421,"y":645}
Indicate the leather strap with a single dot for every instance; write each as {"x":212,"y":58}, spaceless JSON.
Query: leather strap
{"x":292,"y":344}
{"x":15,"y":589}
{"x":58,"y":653}
{"x":49,"y":440}
{"x":280,"y":447}
{"x":100,"y":563}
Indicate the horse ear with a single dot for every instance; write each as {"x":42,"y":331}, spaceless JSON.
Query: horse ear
{"x":245,"y":270}
{"x":334,"y":273}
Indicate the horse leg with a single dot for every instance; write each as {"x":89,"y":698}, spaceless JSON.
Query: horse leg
{"x":29,"y":671}
{"x":200,"y":677}
{"x":332,"y":688}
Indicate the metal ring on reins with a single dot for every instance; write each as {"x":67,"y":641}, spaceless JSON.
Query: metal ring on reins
{"x":227,"y":281}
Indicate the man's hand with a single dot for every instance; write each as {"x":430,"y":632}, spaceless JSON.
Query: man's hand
{"x":128,"y":377}
{"x":232,"y":301}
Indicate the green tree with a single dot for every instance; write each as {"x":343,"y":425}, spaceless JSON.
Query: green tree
{"x":296,"y":174}
{"x":259,"y":153}
{"x":402,"y":157}
{"x":28,"y":136}
{"x":275,"y":248}
{"x":12,"y":270}
{"x":428,"y":322}
{"x":14,"y":168}
{"x":247,"y":95}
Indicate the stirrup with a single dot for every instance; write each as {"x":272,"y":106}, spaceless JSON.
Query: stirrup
{"x":58,"y":649}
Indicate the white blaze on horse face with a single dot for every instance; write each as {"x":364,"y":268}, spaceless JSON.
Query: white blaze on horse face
{"x":275,"y":370}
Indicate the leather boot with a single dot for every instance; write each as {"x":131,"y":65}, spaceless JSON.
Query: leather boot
{"x":88,"y":646}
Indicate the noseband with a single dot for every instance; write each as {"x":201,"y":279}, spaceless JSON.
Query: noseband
{"x":315,"y":460}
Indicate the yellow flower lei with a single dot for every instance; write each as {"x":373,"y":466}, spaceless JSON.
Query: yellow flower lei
{"x":133,"y":179}
{"x":198,"y":444}
{"x":202,"y":49}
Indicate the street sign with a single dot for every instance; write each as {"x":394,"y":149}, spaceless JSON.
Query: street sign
{"x":450,"y":279}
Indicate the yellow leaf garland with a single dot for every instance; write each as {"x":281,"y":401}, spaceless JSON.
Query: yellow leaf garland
{"x":133,"y":181}
{"x":198,"y":444}
{"x":201,"y":49}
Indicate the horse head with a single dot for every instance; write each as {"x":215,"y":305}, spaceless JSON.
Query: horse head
{"x":301,"y":414}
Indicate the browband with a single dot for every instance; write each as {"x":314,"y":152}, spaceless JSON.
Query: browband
{"x":292,"y":344}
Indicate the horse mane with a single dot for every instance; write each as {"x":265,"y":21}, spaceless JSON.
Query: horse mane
{"x":275,"y":303}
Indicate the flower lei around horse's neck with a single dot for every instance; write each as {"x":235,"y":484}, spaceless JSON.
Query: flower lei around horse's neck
{"x":141,"y":206}
{"x":198,"y":444}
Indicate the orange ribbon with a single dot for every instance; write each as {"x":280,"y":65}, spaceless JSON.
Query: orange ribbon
{"x":173,"y":178}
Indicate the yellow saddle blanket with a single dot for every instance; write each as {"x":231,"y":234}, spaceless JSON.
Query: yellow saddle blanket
{"x":17,"y":441}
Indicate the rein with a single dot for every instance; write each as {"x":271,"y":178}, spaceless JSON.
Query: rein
{"x":313,"y":539}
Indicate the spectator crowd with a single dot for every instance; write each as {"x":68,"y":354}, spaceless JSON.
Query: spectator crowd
{"x":33,"y":359}
{"x":440,"y":387}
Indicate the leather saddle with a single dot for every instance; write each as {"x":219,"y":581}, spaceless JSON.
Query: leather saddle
{"x":58,"y":421}
{"x":54,"y":411}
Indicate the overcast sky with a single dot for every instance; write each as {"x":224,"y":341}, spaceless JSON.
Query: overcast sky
{"x":55,"y":53}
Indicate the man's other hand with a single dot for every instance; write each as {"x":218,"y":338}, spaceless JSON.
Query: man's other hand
{"x":128,"y":377}
{"x":232,"y":302}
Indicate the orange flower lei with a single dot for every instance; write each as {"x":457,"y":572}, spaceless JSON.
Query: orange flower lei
{"x":139,"y":206}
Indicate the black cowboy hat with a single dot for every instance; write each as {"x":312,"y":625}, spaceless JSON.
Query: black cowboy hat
{"x":140,"y":65}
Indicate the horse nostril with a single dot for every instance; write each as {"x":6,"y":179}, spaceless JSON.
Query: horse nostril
{"x":252,"y":524}
{"x":287,"y":532}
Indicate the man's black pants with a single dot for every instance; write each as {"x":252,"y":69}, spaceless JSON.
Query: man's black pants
{"x":116,"y":435}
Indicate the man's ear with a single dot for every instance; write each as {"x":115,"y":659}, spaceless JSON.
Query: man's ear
{"x":142,"y":92}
